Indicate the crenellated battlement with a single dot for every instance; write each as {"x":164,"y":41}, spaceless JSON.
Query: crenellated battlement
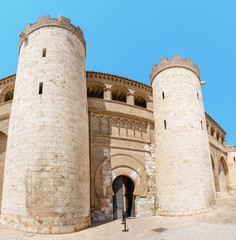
{"x":231,"y":148}
{"x":175,"y":62}
{"x":46,"y":21}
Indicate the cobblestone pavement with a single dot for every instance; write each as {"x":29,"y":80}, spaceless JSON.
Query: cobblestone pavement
{"x":199,"y":232}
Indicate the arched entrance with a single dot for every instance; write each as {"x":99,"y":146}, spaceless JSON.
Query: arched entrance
{"x":123,"y":198}
{"x":216,"y":182}
{"x":223,"y":175}
{"x":3,"y":145}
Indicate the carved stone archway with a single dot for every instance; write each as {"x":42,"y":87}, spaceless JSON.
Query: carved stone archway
{"x":120,"y":165}
{"x":7,"y":93}
{"x":223,"y":177}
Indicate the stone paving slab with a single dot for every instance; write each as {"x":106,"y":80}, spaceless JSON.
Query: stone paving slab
{"x":7,"y":238}
{"x":199,"y":232}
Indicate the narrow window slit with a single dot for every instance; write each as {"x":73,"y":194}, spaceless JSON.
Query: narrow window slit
{"x":165,"y":124}
{"x":44,"y":52}
{"x":234,"y":159}
{"x":163,"y":95}
{"x":198,"y":96}
{"x":40,"y":88}
{"x":201,"y":125}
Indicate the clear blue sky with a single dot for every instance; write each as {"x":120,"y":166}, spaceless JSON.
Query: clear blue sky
{"x":127,"y":37}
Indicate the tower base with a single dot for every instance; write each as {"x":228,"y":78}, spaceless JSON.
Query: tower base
{"x":162,"y":212}
{"x":29,"y":225}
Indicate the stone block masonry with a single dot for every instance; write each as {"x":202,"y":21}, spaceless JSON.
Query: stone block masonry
{"x":146,"y":150}
{"x":184,"y":173}
{"x":46,"y":183}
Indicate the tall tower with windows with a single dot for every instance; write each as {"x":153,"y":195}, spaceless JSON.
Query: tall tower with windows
{"x":46,"y":183}
{"x":184,"y":172}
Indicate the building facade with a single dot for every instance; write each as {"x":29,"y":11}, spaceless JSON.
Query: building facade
{"x":81,"y":146}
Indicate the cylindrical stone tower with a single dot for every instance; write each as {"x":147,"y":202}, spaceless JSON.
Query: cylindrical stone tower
{"x":46,"y":181}
{"x":184,"y":173}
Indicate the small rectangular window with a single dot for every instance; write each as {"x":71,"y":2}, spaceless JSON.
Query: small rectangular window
{"x":165,"y":124}
{"x":234,"y":159}
{"x":40,"y":88}
{"x":163,"y":95}
{"x":198,"y":96}
{"x":44,"y":52}
{"x":201,"y":125}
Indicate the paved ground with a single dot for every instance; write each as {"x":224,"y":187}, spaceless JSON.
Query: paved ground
{"x":6,"y":238}
{"x":218,"y":224}
{"x":199,"y":232}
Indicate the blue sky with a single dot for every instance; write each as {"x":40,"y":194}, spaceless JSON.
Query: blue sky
{"x":127,"y":38}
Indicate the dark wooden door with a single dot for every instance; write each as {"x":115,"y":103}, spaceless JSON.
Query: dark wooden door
{"x":118,"y":204}
{"x":123,"y":198}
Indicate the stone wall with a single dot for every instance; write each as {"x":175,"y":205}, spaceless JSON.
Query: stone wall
{"x":148,"y":206}
{"x":124,"y":122}
{"x":46,"y":182}
{"x":121,"y":145}
{"x":3,"y":145}
{"x":122,"y":141}
{"x":232,"y":167}
{"x":184,"y":172}
{"x":220,"y":169}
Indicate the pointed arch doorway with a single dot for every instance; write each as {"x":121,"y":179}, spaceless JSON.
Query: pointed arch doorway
{"x":123,"y":198}
{"x":223,"y":177}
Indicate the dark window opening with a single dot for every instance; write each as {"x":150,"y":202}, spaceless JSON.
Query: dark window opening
{"x":40,"y":88}
{"x":198,"y":96}
{"x":119,"y":95}
{"x":202,"y":125}
{"x":95,"y":91}
{"x":165,"y":124}
{"x":234,"y":159}
{"x":44,"y":52}
{"x":9,"y":95}
{"x":140,"y":101}
{"x":212,"y":131}
{"x":163,"y":95}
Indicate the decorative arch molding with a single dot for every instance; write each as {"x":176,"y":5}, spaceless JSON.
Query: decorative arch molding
{"x":224,"y":164}
{"x":8,"y":87}
{"x":142,"y":94}
{"x":3,"y":137}
{"x":121,"y":88}
{"x":94,"y":83}
{"x":223,"y":172}
{"x":119,"y":93}
{"x":95,"y":89}
{"x":4,"y":127}
{"x":117,"y":165}
{"x":5,"y":90}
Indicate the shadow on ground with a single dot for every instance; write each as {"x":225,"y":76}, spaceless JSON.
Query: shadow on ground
{"x":140,"y":228}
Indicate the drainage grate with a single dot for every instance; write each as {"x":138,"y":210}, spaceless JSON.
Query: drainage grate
{"x":159,"y":230}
